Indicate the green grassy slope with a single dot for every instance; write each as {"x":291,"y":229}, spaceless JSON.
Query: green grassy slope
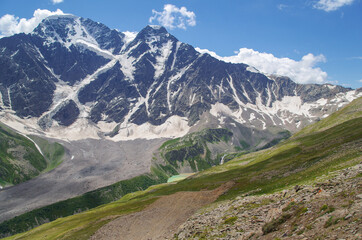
{"x":19,"y":158}
{"x":193,"y":150}
{"x":53,"y":152}
{"x":298,"y":160}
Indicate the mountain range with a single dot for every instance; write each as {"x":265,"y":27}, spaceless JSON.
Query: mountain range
{"x":74,"y":78}
{"x":303,"y":188}
{"x":131,"y":110}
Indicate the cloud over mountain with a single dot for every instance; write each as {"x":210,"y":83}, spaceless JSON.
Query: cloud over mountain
{"x":302,"y":71}
{"x":10,"y":24}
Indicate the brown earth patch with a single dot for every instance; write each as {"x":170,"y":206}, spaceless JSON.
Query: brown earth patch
{"x":161,"y":219}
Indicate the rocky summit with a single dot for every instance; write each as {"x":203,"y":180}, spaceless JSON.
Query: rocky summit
{"x":72,"y":71}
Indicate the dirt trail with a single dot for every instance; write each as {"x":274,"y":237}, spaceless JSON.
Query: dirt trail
{"x":161,"y":219}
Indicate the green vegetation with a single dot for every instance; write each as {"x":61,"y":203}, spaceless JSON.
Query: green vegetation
{"x":301,"y":210}
{"x":327,"y":209}
{"x":53,"y":152}
{"x":193,"y":150}
{"x":231,"y":220}
{"x":19,"y":158}
{"x":83,"y":225}
{"x":298,"y":160}
{"x":176,"y":178}
{"x":256,"y":205}
{"x":331,"y":221}
{"x":289,"y":206}
{"x":275,"y":223}
{"x":244,"y":144}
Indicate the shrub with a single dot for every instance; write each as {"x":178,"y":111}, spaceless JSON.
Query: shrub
{"x":231,"y":220}
{"x":274,"y":224}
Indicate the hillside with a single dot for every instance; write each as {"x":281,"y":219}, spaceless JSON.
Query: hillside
{"x":301,"y":159}
{"x":330,"y":208}
{"x":193,"y":152}
{"x":21,"y":159}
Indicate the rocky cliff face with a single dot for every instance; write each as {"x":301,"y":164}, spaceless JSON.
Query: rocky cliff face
{"x":73,"y":73}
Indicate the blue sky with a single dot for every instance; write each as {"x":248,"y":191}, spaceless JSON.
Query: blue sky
{"x":308,"y":40}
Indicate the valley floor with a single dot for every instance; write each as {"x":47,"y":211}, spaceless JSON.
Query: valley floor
{"x":82,"y":171}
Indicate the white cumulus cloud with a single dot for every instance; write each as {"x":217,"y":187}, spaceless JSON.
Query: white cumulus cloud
{"x":173,"y":17}
{"x":331,"y":5}
{"x":10,"y":24}
{"x":302,"y":71}
{"x":57,"y":1}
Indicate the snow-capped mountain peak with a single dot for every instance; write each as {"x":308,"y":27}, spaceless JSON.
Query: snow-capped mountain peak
{"x":104,"y":83}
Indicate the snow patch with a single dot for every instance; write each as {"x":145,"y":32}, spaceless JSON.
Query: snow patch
{"x":236,"y":98}
{"x":322,"y":101}
{"x":330,"y":86}
{"x":252,"y":117}
{"x":351,"y":95}
{"x":16,"y":52}
{"x":264,"y":124}
{"x":221,"y":111}
{"x":178,"y":44}
{"x":64,"y":93}
{"x":156,"y":27}
{"x":95,"y":48}
{"x":127,"y":66}
{"x":1,"y":101}
{"x":175,"y":77}
{"x":175,"y":126}
{"x":292,"y":104}
{"x":165,"y":51}
{"x":10,"y":103}
{"x":218,"y":109}
{"x":252,"y":69}
{"x":36,"y":145}
{"x":129,"y":36}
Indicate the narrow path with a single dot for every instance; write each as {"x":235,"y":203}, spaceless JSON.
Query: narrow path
{"x":161,"y":219}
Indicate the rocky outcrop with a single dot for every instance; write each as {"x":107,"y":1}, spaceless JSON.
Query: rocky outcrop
{"x":328,"y":209}
{"x":67,"y":114}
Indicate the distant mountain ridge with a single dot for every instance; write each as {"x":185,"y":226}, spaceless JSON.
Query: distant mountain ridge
{"x":72,"y":75}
